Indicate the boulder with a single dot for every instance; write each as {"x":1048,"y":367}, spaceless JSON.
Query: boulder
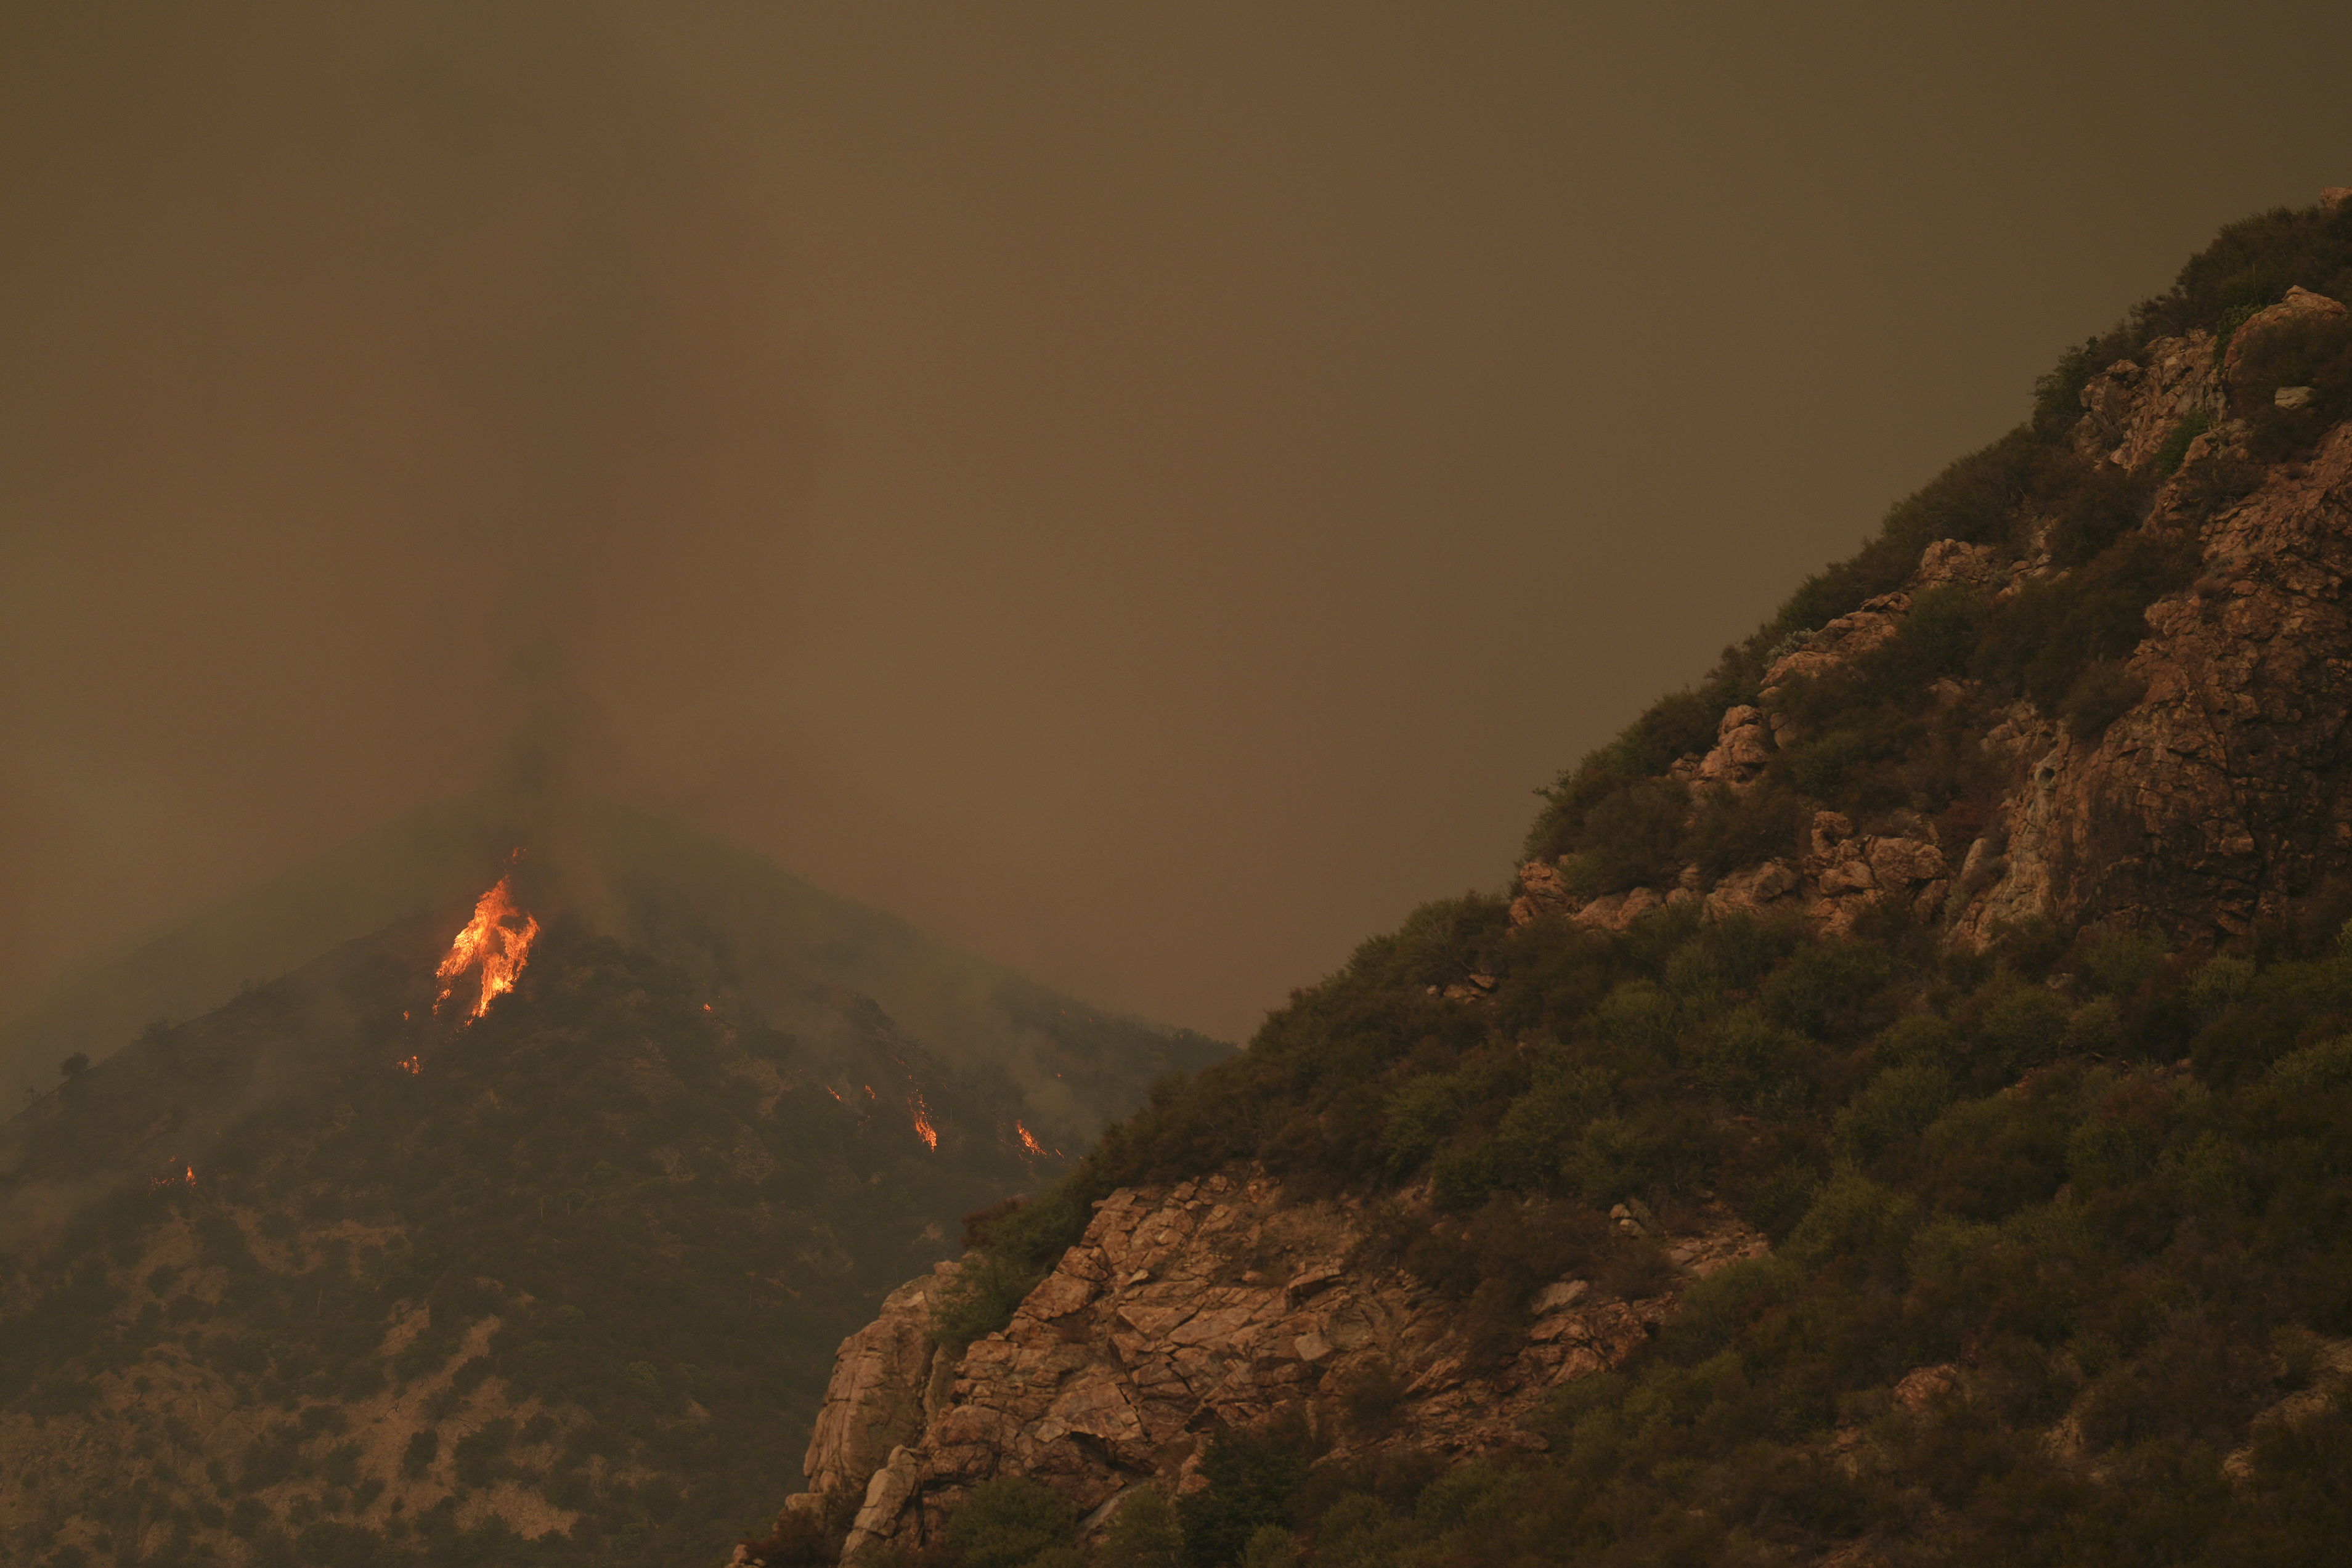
{"x":2300,"y":305}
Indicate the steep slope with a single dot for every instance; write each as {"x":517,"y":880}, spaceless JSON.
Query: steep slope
{"x":340,"y":1271}
{"x":1898,"y":1116}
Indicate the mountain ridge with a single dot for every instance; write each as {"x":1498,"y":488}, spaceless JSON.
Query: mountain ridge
{"x":764,"y":923}
{"x":1977,"y":937}
{"x":375,"y":1263}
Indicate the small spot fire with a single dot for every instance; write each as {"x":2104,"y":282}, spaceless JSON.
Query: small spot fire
{"x":185,"y":1176}
{"x":497,"y":942}
{"x":410,"y":1065}
{"x":923,"y":1128}
{"x":1029,"y":1141}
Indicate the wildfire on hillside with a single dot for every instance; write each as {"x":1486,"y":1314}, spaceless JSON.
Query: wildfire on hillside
{"x":411,"y":1065}
{"x":1029,"y":1141}
{"x":923,"y":1128}
{"x":497,"y":942}
{"x":187,"y":1177}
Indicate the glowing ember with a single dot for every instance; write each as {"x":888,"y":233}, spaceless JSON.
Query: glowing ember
{"x":1029,"y":1140}
{"x":497,"y":941}
{"x":410,"y":1065}
{"x":188,"y":1178}
{"x":923,"y":1128}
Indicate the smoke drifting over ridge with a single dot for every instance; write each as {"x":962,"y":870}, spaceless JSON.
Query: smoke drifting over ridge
{"x":391,"y":385}
{"x":1144,"y":496}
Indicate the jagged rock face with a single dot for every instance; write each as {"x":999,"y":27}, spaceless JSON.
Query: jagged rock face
{"x":2223,"y":794}
{"x":1843,"y":873}
{"x":881,"y":1392}
{"x":1183,"y":1308}
{"x":2128,"y":408}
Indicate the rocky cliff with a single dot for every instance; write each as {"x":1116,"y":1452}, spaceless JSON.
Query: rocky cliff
{"x":1894,"y":940}
{"x":2216,"y":797}
{"x":1194,"y":1307}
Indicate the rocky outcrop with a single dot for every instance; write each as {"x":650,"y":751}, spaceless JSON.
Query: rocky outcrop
{"x":1845,"y":638}
{"x":2219,"y":796}
{"x":2300,"y":305}
{"x":2130,"y":408}
{"x":1841,"y":874}
{"x":1743,"y":750}
{"x":2223,"y":793}
{"x":1204,"y":1304}
{"x":883,"y":1391}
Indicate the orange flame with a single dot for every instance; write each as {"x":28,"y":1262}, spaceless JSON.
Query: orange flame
{"x":410,"y":1065}
{"x":923,"y":1128}
{"x":1029,"y":1140}
{"x":497,"y":940}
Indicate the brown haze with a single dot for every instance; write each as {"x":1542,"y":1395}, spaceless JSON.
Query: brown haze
{"x":1144,"y":492}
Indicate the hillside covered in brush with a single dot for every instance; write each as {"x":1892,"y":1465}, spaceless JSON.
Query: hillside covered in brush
{"x":386,"y":1263}
{"x":1901,"y":1114}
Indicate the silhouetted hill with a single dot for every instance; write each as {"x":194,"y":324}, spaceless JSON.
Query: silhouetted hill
{"x":324,"y":1267}
{"x":730,"y":916}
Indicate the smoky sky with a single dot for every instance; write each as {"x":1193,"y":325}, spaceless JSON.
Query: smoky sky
{"x":1144,"y":492}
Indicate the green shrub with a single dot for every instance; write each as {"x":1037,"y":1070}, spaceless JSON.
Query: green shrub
{"x":1736,"y":828}
{"x":2316,"y":1069}
{"x":1632,"y":838}
{"x":477,"y":1459}
{"x":1855,"y":1226}
{"x":1638,"y":1016}
{"x":2102,"y":693}
{"x":1252,"y":1477}
{"x":2041,"y":641}
{"x":1547,"y":1120}
{"x":1420,"y":1113}
{"x":1144,"y":1532}
{"x":1671,"y":727}
{"x":2058,"y":395}
{"x":1007,"y":1522}
{"x":1982,"y":1159}
{"x":1819,"y":767}
{"x":1899,"y":1103}
{"x":2316,"y":353}
{"x":982,"y":1298}
{"x":2251,"y":263}
{"x":1270,"y":1546}
{"x":2108,"y":505}
{"x":2022,"y":1029}
{"x":1826,"y":987}
{"x":2175,"y":450}
{"x":2120,"y":962}
{"x":1744,"y":1054}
